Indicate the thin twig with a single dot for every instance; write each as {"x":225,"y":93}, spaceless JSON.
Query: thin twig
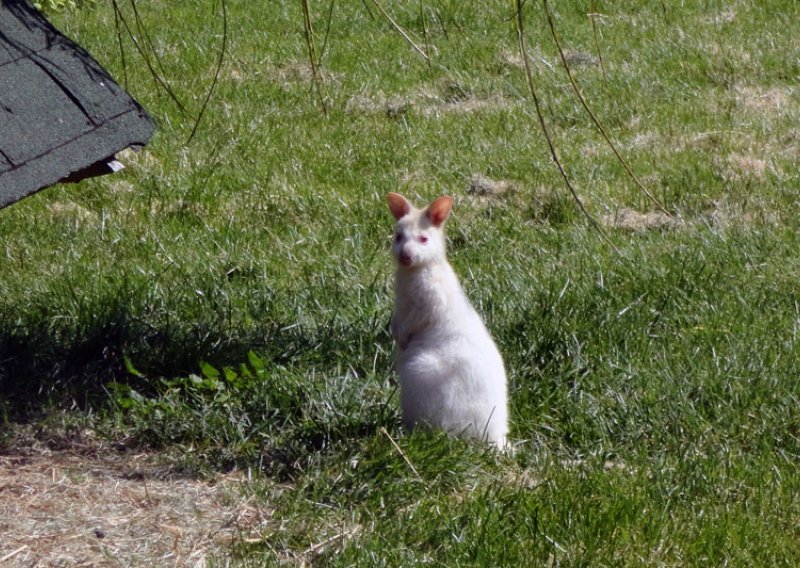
{"x":327,"y":31}
{"x":313,"y":57}
{"x":531,"y":86}
{"x":146,"y":492}
{"x":142,"y":29}
{"x":371,"y":15}
{"x":591,"y":114}
{"x":400,"y":451}
{"x":308,"y":32}
{"x":222,"y":51}
{"x":159,"y":81}
{"x":143,"y":32}
{"x":424,"y":31}
{"x":315,"y":547}
{"x":13,"y":553}
{"x":401,"y":31}
{"x":119,"y":42}
{"x":592,"y":17}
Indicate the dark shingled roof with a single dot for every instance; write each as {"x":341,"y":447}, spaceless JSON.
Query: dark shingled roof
{"x":62,"y":117}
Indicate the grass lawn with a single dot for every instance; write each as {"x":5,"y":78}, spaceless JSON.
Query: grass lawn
{"x":224,"y":302}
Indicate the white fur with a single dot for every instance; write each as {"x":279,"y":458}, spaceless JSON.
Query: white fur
{"x":451,"y":373}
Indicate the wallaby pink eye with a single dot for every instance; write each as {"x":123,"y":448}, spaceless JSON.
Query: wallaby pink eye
{"x":423,"y":239}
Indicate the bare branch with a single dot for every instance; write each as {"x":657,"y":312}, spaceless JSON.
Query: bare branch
{"x":591,"y":114}
{"x":222,"y":51}
{"x":532,"y":87}
{"x":402,"y":32}
{"x":313,"y":56}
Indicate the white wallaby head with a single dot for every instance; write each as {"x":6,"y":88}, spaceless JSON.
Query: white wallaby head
{"x":419,"y":233}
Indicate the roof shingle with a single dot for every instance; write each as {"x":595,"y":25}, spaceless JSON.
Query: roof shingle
{"x":62,"y":116}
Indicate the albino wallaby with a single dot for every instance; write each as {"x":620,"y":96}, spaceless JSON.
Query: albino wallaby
{"x":451,"y":373}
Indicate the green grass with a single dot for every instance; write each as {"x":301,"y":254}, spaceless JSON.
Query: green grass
{"x":227,"y":300}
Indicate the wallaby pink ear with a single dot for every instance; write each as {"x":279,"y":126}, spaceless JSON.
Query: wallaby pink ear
{"x":398,"y":205}
{"x":439,"y":210}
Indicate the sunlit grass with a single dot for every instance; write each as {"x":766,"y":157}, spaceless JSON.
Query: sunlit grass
{"x":228,"y":300}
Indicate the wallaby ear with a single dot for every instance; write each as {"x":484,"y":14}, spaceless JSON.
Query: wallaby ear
{"x":439,"y":210}
{"x":398,"y":205}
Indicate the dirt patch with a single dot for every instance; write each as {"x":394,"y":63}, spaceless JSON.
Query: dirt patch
{"x":67,"y":509}
{"x":484,"y":186}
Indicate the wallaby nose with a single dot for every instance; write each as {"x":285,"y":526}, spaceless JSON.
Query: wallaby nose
{"x":404,"y":258}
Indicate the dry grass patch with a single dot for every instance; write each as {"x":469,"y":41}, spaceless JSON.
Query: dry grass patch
{"x":632,"y":220}
{"x":429,"y":102}
{"x":120,"y":187}
{"x":110,"y":509}
{"x":483,"y":192}
{"x":484,"y":187}
{"x":737,"y":53}
{"x":746,"y":166}
{"x":524,"y":478}
{"x":763,"y":99}
{"x":509,"y":58}
{"x":651,"y":140}
{"x":513,"y":59}
{"x":178,"y":207}
{"x":580,"y":59}
{"x":72,"y":213}
{"x":704,"y":140}
{"x":300,"y":72}
{"x":723,"y":214}
{"x":469,"y":104}
{"x":726,"y":16}
{"x":141,"y":157}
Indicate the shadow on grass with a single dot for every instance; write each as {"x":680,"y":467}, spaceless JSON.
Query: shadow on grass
{"x":43,"y":364}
